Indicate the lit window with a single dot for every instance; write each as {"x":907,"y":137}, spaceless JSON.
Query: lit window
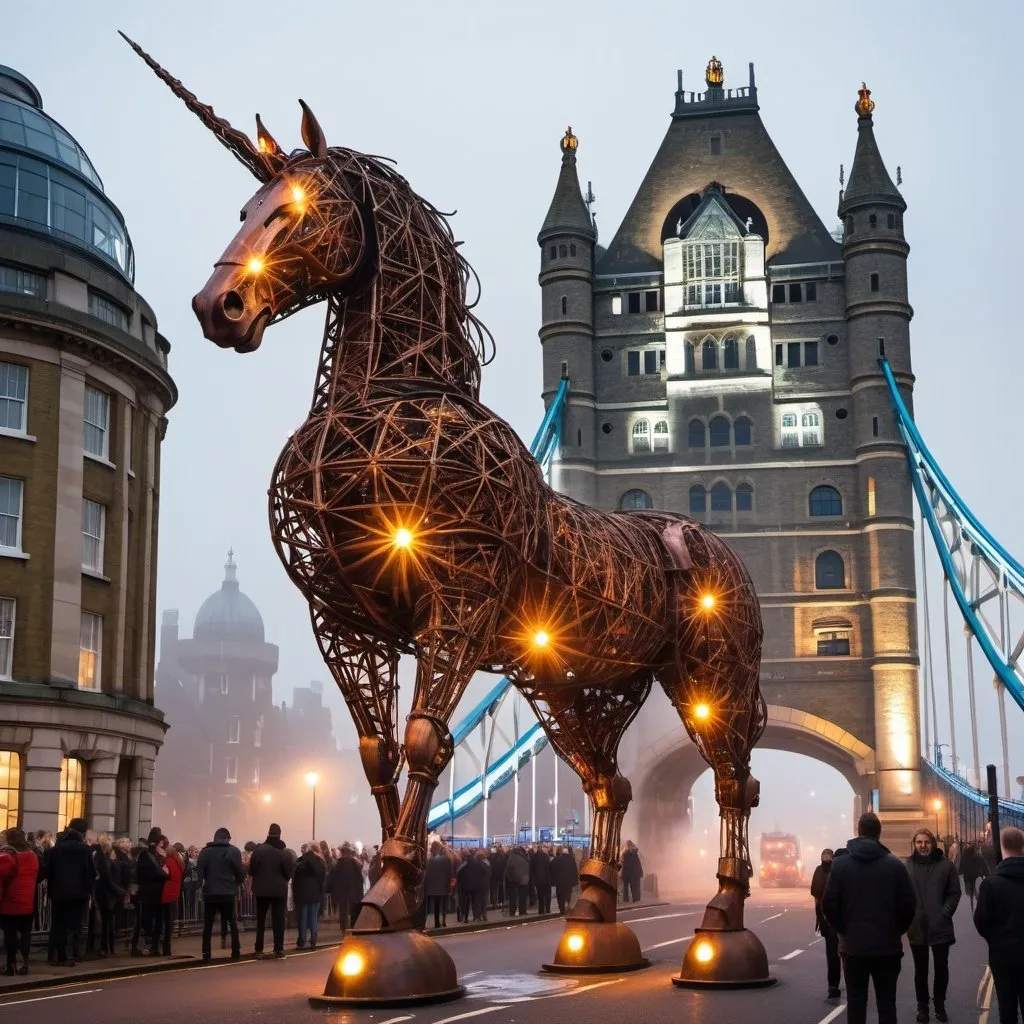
{"x":254,"y":687}
{"x":834,"y":645}
{"x":234,"y":729}
{"x":719,"y":432}
{"x":698,"y":500}
{"x":256,"y":773}
{"x":10,"y":788}
{"x":810,"y":423}
{"x":231,"y":769}
{"x":709,"y":355}
{"x":801,"y":430}
{"x":641,"y":436}
{"x":94,"y":517}
{"x":97,"y":423}
{"x":13,"y":396}
{"x":616,"y":305}
{"x":826,"y":501}
{"x":790,"y":434}
{"x":829,"y":571}
{"x":90,"y":651}
{"x":871,"y":495}
{"x":107,"y":311}
{"x":6,"y":638}
{"x":744,"y":498}
{"x":696,"y":436}
{"x":731,"y":354}
{"x":661,"y":436}
{"x":721,"y":497}
{"x":11,"y":496}
{"x":634,"y":500}
{"x":712,"y":273}
{"x":71,"y":796}
{"x":742,"y":431}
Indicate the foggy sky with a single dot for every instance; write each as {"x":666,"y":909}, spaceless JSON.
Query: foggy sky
{"x":471,"y":99}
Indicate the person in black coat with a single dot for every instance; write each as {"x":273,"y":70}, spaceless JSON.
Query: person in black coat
{"x":999,"y":918}
{"x":540,"y":878}
{"x":632,"y":873}
{"x":972,"y":867}
{"x":832,"y":965}
{"x":219,"y":872}
{"x":498,"y":858}
{"x":870,"y":902}
{"x":69,"y":878}
{"x":474,"y":881}
{"x":151,"y":875}
{"x":271,"y":866}
{"x":308,"y":891}
{"x":437,"y":883}
{"x":565,"y":877}
{"x":345,"y":884}
{"x":109,"y":891}
{"x":517,"y":881}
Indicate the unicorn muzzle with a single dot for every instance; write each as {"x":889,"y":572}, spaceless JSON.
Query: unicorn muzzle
{"x":229,"y":316}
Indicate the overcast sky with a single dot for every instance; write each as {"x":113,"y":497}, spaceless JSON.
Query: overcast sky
{"x":471,"y":99}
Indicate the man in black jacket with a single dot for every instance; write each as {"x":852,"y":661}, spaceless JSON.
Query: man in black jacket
{"x":870,"y":902}
{"x":999,"y":918}
{"x":828,"y":933}
{"x":69,"y":876}
{"x":540,"y":878}
{"x":564,"y":877}
{"x":271,"y":866}
{"x":219,"y":871}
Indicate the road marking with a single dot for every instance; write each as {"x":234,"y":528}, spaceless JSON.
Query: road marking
{"x":670,"y":942}
{"x":816,"y":941}
{"x":772,"y":918}
{"x":789,"y":956}
{"x":43,"y":999}
{"x":397,"y":1020}
{"x":466,"y":1016}
{"x":832,"y":1016}
{"x":554,"y":995}
{"x":660,"y":917}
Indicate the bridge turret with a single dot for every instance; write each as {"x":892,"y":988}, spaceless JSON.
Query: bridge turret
{"x":566,"y":242}
{"x":878,"y":314}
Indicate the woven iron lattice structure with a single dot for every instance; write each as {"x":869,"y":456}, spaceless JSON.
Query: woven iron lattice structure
{"x":414,"y":520}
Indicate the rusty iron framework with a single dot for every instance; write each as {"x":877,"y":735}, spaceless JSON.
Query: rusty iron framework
{"x":414,"y":520}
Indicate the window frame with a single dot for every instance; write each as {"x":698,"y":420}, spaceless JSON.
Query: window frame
{"x":706,"y":346}
{"x":691,"y":434}
{"x":626,"y":504}
{"x":697,"y":491}
{"x":19,"y":528}
{"x":746,"y":424}
{"x":96,"y":637}
{"x":231,"y":776}
{"x":822,"y":501}
{"x":108,"y":311}
{"x":104,"y":428}
{"x":830,"y":638}
{"x":641,"y":429}
{"x":660,"y":436}
{"x":67,"y":808}
{"x":719,"y":488}
{"x":719,"y":419}
{"x":824,"y":573}
{"x":21,"y":431}
{"x":7,"y":638}
{"x":747,"y":490}
{"x":100,"y":539}
{"x":10,"y":783}
{"x":235,"y":729}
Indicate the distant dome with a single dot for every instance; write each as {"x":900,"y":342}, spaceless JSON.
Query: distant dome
{"x":228,"y":614}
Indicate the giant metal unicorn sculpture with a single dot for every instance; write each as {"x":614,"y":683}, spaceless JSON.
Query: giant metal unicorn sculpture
{"x":415,"y":521}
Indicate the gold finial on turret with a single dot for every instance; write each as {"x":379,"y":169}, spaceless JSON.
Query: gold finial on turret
{"x":569,"y":141}
{"x":865,"y":104}
{"x":714,"y":74}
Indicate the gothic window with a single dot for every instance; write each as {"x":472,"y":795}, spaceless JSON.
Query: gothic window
{"x":635,"y":499}
{"x":641,"y":436}
{"x":825,"y":501}
{"x":810,"y":423}
{"x":790,"y":434}
{"x":829,"y":571}
{"x":744,"y":498}
{"x":721,"y":497}
{"x":690,"y":359}
{"x":698,"y":500}
{"x":709,"y":355}
{"x":695,"y":434}
{"x":731,"y":353}
{"x":742,"y":430}
{"x":712,"y":271}
{"x":661,"y":436}
{"x":751,"y":353}
{"x":719,"y":432}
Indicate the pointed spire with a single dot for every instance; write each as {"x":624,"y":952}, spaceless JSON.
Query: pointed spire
{"x":230,"y":569}
{"x":568,"y":213}
{"x":869,"y":181}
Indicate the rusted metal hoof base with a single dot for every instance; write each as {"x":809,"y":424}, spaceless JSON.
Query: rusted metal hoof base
{"x":597,"y":947}
{"x":384,"y":969}
{"x":718,"y":959}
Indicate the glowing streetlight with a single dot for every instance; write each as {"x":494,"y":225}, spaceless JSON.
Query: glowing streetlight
{"x":936,"y":807}
{"x":266,"y":798}
{"x":402,"y":538}
{"x":311,"y":780}
{"x":255,"y":265}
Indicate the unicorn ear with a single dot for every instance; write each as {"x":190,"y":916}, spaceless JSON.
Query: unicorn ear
{"x":271,"y":152}
{"x":312,"y":134}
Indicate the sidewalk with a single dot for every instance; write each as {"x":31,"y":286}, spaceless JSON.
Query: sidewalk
{"x":186,"y":952}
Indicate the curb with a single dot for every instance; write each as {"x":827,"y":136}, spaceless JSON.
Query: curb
{"x":187,"y":963}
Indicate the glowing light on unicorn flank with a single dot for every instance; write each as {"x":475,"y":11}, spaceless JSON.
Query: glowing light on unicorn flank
{"x":702,"y":712}
{"x":541,"y":639}
{"x":351,"y":964}
{"x":574,"y":943}
{"x":708,"y":601}
{"x":705,"y":952}
{"x":298,"y":194}
{"x":402,"y":538}
{"x":255,"y":265}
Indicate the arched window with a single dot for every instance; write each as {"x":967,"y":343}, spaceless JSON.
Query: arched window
{"x":709,"y":355}
{"x":721,"y":497}
{"x":790,"y":434}
{"x":661,"y":436}
{"x":688,"y":355}
{"x":719,"y":432}
{"x":810,"y":422}
{"x":554,"y":251}
{"x":743,"y":429}
{"x":565,"y":305}
{"x":829,"y":571}
{"x":698,"y":500}
{"x":696,"y":436}
{"x":641,"y":436}
{"x":744,"y":498}
{"x":751,"y":353}
{"x":635,"y":499}
{"x":71,"y":794}
{"x":562,"y":251}
{"x":731,"y":360}
{"x":572,"y":250}
{"x":826,"y":501}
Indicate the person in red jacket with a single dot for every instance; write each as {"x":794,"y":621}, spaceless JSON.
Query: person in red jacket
{"x":19,"y":869}
{"x":172,"y":888}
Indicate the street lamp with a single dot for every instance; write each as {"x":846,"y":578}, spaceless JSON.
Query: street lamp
{"x":266,"y":798}
{"x":311,"y":780}
{"x":936,"y":807}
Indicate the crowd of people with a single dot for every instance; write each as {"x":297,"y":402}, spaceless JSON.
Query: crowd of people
{"x":867,"y":900}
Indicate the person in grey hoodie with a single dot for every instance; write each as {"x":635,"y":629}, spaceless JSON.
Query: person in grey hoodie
{"x":220,"y":873}
{"x":272,"y":865}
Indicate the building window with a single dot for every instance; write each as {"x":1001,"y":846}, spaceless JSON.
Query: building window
{"x":871,"y":495}
{"x":890,"y":220}
{"x":778,"y":293}
{"x":222,"y":682}
{"x":10,"y":788}
{"x":234,"y":729}
{"x":231,"y":769}
{"x":634,"y":500}
{"x":696,"y":436}
{"x":719,"y":432}
{"x":554,"y":251}
{"x":633,"y":363}
{"x":254,"y":687}
{"x":109,"y":312}
{"x":90,"y":651}
{"x":825,"y":501}
{"x":811,"y":291}
{"x":829,"y":571}
{"x":874,"y":282}
{"x":71,"y":797}
{"x":131,"y":438}
{"x":256,"y":774}
{"x":572,"y":250}
{"x":742,"y":431}
{"x":661,"y":436}
{"x":644,"y":361}
{"x":690,"y":359}
{"x":731,"y":354}
{"x":6,"y":636}
{"x":633,"y":302}
{"x":712,"y":271}
{"x":709,"y":355}
{"x":833,"y":339}
{"x":97,"y":423}
{"x":715,"y":145}
{"x":834,"y":645}
{"x":641,"y":436}
{"x":881,"y":348}
{"x":11,"y":497}
{"x":810,"y":353}
{"x":257,"y":740}
{"x":721,"y":497}
{"x":562,"y":251}
{"x":796,"y":292}
{"x":565,"y":305}
{"x":21,"y":282}
{"x":13,"y":397}
{"x":793,"y":354}
{"x":810,"y":423}
{"x":849,"y":225}
{"x":790,"y":434}
{"x":872,"y":220}
{"x":652,"y":301}
{"x":698,"y":500}
{"x":751,"y":353}
{"x":744,"y":498}
{"x":94,"y":521}
{"x":778,"y":355}
{"x":874,"y":426}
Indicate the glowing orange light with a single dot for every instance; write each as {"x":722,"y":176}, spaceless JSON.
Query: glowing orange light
{"x":255,"y":265}
{"x":708,"y":601}
{"x":266,"y":798}
{"x":262,"y":144}
{"x":351,"y":964}
{"x":574,"y":943}
{"x":402,"y":538}
{"x":936,"y":805}
{"x":705,"y":953}
{"x":702,"y":711}
{"x":541,"y":638}
{"x":298,"y":195}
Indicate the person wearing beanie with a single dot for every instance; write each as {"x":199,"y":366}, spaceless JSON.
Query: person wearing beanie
{"x":19,"y":869}
{"x":220,"y":873}
{"x":69,"y":878}
{"x":271,"y":866}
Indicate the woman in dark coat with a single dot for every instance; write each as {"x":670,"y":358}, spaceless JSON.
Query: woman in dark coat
{"x":437,"y":884}
{"x":345,"y":884}
{"x":564,"y":877}
{"x":631,"y":874}
{"x":308,"y":892}
{"x":109,"y":890}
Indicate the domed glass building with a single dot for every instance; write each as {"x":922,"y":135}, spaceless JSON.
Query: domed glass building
{"x":84,"y":393}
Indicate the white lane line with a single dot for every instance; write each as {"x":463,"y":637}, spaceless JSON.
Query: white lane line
{"x":43,"y":999}
{"x":397,"y":1020}
{"x":832,"y":1016}
{"x":789,"y":956}
{"x":468,"y":974}
{"x":554,"y":995}
{"x":669,"y":942}
{"x":816,"y":941}
{"x":659,"y":917}
{"x":772,"y":918}
{"x":466,"y":1016}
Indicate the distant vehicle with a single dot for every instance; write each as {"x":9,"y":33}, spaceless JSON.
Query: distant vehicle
{"x":780,"y":861}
